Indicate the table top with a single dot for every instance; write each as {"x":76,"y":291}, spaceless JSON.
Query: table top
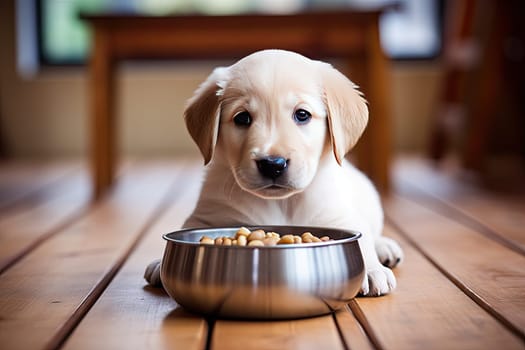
{"x":318,"y":34}
{"x":350,"y":12}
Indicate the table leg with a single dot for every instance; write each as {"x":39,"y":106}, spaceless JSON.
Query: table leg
{"x":102,"y":114}
{"x":375,"y":147}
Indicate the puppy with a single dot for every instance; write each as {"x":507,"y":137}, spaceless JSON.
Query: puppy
{"x":274,"y":129}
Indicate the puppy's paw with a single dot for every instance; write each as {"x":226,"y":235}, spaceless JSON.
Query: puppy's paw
{"x":152,"y":273}
{"x":388,"y":251}
{"x":378,"y":281}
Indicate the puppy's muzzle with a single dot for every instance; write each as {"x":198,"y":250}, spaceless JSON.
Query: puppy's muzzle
{"x":272,"y":167}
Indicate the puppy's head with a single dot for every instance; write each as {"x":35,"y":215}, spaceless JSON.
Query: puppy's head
{"x":272,"y":116}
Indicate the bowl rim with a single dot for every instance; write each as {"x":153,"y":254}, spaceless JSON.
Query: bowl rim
{"x":354,"y":236}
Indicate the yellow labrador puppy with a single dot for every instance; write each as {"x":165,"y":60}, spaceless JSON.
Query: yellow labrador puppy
{"x":274,"y":129}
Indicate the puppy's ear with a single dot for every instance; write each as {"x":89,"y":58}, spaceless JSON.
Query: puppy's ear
{"x":202,"y":113}
{"x":346,"y":108}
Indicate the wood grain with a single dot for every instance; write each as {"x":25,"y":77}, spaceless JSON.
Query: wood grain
{"x":453,"y":193}
{"x":312,"y":333}
{"x":129,"y":314}
{"x":29,"y":225}
{"x":490,"y":273}
{"x":457,"y":288}
{"x":353,"y":334}
{"x":42,"y":292}
{"x":378,"y":95}
{"x":20,"y":187}
{"x":103,"y":109}
{"x":427,"y":311}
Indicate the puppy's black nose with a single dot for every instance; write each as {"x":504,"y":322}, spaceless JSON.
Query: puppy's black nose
{"x":272,"y":167}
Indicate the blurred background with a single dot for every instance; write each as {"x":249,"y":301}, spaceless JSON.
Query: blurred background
{"x":457,"y":69}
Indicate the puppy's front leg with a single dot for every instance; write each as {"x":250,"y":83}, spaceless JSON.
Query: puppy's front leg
{"x":152,"y":273}
{"x":379,"y":279}
{"x":388,"y":251}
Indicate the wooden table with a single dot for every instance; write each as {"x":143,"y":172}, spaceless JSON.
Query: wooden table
{"x":347,"y":34}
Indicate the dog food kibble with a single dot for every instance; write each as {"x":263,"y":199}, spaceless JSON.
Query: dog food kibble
{"x":259,"y":238}
{"x":241,"y":240}
{"x":256,"y":235}
{"x":207,"y":240}
{"x":286,"y":239}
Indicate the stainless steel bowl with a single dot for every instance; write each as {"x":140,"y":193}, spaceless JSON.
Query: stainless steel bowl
{"x":271,"y":282}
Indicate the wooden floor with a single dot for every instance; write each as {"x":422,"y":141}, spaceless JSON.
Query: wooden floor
{"x":71,"y":271}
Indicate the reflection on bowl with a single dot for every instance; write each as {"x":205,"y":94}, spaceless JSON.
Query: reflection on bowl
{"x":269,"y":282}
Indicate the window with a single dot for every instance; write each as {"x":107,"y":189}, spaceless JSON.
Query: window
{"x":415,"y":32}
{"x":411,"y":33}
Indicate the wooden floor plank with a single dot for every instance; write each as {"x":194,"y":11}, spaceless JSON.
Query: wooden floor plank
{"x":491,"y":273}
{"x":311,"y":333}
{"x":119,"y":316}
{"x":501,"y":215}
{"x":131,"y":315}
{"x":27,"y":226}
{"x":18,"y":179}
{"x":353,"y":334}
{"x":451,"y":269}
{"x":427,"y":311}
{"x":43,"y":291}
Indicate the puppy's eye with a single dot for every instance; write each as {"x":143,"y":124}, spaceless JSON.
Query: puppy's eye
{"x":301,"y":116}
{"x":242,"y":119}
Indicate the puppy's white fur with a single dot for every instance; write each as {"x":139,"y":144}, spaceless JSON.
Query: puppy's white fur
{"x":319,"y":187}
